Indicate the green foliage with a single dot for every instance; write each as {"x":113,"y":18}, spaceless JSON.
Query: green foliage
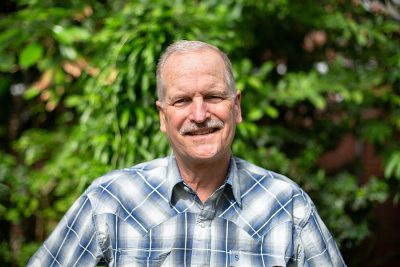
{"x":30,"y":55}
{"x":309,"y":75}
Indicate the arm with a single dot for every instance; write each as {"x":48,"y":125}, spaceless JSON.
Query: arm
{"x":316,"y":245}
{"x":73,"y":242}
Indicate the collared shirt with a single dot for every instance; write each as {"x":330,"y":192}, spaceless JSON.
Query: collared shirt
{"x":146,"y":216}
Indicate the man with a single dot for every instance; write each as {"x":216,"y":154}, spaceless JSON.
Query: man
{"x":200,"y":206}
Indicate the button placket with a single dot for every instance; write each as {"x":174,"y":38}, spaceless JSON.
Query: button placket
{"x":201,"y":243}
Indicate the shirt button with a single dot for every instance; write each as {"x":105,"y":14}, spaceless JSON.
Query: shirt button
{"x":202,"y":225}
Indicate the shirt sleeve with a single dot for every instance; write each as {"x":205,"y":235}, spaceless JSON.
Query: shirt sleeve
{"x":73,"y":242}
{"x":318,"y":248}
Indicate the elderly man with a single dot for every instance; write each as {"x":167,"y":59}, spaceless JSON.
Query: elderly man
{"x":201,"y":206}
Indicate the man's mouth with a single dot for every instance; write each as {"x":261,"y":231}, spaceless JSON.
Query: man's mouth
{"x":202,"y":131}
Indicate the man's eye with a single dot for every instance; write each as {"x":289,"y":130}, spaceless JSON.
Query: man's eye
{"x":180,"y":102}
{"x":214,"y":98}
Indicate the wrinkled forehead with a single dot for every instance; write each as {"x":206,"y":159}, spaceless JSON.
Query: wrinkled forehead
{"x":197,"y":67}
{"x":189,"y":64}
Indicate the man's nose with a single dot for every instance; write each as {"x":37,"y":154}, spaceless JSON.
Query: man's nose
{"x":199,"y":110}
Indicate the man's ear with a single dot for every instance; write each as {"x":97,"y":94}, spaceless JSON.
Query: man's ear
{"x":238,"y":110}
{"x":162,"y":116}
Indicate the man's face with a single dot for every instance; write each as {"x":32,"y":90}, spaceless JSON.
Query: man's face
{"x":199,"y":113}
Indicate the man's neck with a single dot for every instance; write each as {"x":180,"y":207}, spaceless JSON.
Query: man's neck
{"x":204,"y":177}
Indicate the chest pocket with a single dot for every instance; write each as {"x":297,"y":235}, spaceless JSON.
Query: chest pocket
{"x":273,"y":249}
{"x":243,"y":258}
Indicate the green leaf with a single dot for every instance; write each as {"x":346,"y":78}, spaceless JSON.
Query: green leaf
{"x":271,"y":112}
{"x":6,"y":62}
{"x":68,"y":52}
{"x":8,"y":34}
{"x":255,"y":82}
{"x":255,"y":114}
{"x":31,"y":93}
{"x":377,"y":131}
{"x":266,"y":68}
{"x":392,"y":168}
{"x":69,"y":35}
{"x":30,"y":55}
{"x":73,"y":101}
{"x":124,"y":119}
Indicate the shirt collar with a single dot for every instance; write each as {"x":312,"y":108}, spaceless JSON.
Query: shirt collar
{"x":174,"y":178}
{"x":234,"y":181}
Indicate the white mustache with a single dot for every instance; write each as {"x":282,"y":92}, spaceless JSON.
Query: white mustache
{"x":189,"y":127}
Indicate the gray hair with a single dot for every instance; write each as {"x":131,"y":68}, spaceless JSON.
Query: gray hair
{"x":183,"y":46}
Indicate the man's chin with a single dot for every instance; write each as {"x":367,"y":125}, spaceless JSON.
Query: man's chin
{"x":202,"y":157}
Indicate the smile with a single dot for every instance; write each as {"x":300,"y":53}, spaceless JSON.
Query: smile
{"x":202,"y":131}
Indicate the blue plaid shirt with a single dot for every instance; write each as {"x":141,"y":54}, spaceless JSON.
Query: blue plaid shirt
{"x":146,"y":216}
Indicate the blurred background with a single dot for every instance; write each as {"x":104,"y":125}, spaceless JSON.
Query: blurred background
{"x":320,"y":84}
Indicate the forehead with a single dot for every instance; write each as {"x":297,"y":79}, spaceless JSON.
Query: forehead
{"x":204,"y":60}
{"x":195,"y":67}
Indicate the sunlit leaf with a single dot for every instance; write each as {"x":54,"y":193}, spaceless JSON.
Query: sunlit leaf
{"x":31,"y":93}
{"x":69,"y":35}
{"x":30,"y":55}
{"x":392,"y":167}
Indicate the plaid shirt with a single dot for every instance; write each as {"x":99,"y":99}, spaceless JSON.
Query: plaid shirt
{"x":146,"y":216}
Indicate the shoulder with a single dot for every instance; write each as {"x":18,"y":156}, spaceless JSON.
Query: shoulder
{"x":251,"y":174}
{"x":145,"y":171}
{"x":259,"y":173}
{"x":275,"y":191}
{"x":126,"y":187}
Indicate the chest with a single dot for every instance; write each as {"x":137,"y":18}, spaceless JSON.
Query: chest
{"x":187,"y":239}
